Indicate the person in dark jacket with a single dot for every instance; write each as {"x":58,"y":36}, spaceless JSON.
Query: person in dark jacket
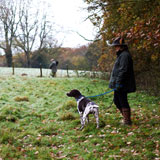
{"x":122,"y":79}
{"x":53,"y":67}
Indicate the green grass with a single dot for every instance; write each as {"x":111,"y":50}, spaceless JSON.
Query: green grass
{"x":38,"y":121}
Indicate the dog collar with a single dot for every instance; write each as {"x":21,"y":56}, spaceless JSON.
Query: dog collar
{"x":79,"y":98}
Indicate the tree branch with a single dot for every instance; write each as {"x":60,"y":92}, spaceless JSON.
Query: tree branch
{"x":90,"y":40}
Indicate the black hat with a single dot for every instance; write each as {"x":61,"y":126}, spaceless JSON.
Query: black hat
{"x":118,"y":42}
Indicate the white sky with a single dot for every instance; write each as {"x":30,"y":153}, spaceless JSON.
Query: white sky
{"x":69,"y":16}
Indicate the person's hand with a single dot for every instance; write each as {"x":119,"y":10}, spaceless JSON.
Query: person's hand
{"x":118,"y":87}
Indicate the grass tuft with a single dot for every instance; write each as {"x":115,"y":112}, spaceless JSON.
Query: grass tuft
{"x":69,"y":105}
{"x":102,"y":123}
{"x":48,"y":130}
{"x":11,"y":114}
{"x":19,"y":99}
{"x":67,"y":116}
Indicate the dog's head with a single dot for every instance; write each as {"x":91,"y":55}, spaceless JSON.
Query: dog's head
{"x":74,"y":93}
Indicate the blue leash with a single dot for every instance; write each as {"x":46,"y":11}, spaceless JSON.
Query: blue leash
{"x":101,"y":94}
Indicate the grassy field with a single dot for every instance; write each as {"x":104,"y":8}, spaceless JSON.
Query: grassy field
{"x":35,"y":72}
{"x":38,"y":121}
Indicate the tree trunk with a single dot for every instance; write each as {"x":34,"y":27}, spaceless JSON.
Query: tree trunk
{"x":28,"y":60}
{"x":8,"y":55}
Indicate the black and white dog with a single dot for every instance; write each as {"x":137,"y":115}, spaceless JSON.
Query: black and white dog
{"x":85,"y":107}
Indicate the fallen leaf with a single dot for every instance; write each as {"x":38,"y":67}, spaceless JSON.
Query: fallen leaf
{"x":36,"y":152}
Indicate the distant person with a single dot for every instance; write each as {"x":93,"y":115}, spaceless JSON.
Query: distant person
{"x":53,"y":67}
{"x":122,"y":79}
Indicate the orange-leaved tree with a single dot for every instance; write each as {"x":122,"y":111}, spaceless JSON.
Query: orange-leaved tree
{"x":138,"y":21}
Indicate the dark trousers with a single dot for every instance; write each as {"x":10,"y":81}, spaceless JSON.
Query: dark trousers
{"x":53,"y":74}
{"x":120,"y":99}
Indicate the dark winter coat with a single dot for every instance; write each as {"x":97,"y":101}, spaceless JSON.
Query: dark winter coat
{"x":122,"y":73}
{"x":53,"y":66}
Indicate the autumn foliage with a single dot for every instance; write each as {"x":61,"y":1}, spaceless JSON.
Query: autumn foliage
{"x":138,"y":22}
{"x":80,"y":58}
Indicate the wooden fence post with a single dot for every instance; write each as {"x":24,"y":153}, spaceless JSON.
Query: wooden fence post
{"x":12,"y":68}
{"x":40,"y":70}
{"x":67,"y":70}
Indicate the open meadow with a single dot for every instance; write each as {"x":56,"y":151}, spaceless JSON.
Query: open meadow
{"x":38,"y":121}
{"x":35,"y":72}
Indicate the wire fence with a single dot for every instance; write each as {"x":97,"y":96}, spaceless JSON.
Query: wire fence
{"x":43,"y":72}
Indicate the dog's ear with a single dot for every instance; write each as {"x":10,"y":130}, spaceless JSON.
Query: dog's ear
{"x":77,"y":93}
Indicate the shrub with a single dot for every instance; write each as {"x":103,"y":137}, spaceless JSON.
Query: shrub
{"x":19,"y":99}
{"x":67,"y":116}
{"x":10,"y":114}
{"x":69,"y":105}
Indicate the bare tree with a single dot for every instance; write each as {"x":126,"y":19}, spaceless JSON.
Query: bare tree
{"x":9,"y":25}
{"x":45,"y":28}
{"x":33,"y":32}
{"x":24,"y":28}
{"x":27,"y":33}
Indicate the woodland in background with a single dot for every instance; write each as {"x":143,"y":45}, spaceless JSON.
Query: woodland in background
{"x":81,"y":58}
{"x":138,"y":21}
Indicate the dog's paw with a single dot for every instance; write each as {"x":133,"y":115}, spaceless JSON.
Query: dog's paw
{"x":81,"y":128}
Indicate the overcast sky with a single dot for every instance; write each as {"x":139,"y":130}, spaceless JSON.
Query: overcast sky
{"x":69,"y":16}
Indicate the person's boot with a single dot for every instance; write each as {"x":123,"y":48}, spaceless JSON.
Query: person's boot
{"x":127,"y":116}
